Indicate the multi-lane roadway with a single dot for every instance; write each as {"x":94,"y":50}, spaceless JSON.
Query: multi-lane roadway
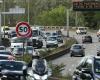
{"x":71,"y":62}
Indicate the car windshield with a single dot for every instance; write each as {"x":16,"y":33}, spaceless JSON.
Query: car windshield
{"x":21,"y":49}
{"x":2,"y":48}
{"x":10,"y":65}
{"x":97,"y":66}
{"x":81,"y":28}
{"x":35,"y":33}
{"x":51,"y":39}
{"x":77,"y":47}
{"x":29,"y":48}
{"x":48,"y":34}
{"x":54,"y":34}
{"x":5,"y":53}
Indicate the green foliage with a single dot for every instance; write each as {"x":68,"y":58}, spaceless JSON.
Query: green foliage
{"x":56,"y":16}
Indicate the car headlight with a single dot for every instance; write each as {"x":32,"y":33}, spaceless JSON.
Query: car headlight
{"x":36,"y":76}
{"x":44,"y":77}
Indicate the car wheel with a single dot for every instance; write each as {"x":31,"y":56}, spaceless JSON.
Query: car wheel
{"x":71,"y":55}
{"x":47,"y":46}
{"x":98,"y":54}
{"x":83,"y":55}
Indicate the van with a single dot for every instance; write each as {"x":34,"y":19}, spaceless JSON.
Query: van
{"x":81,"y":30}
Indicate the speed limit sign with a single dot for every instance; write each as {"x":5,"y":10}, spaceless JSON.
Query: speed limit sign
{"x":23,"y":29}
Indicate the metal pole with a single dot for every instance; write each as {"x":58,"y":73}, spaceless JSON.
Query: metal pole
{"x":76,"y":24}
{"x":4,"y":18}
{"x":28,"y":13}
{"x":67,"y":15}
{"x":0,"y":30}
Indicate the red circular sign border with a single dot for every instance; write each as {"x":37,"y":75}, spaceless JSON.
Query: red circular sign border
{"x":25,"y":23}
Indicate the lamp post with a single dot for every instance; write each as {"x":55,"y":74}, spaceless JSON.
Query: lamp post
{"x":67,"y":21}
{"x":28,"y":18}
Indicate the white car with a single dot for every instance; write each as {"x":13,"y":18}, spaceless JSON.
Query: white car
{"x":51,"y":42}
{"x":17,"y":42}
{"x":81,"y":30}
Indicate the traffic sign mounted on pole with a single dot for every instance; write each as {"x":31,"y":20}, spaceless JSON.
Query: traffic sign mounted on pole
{"x":23,"y":30}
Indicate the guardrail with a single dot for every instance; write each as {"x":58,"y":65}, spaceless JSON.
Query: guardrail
{"x":58,"y":54}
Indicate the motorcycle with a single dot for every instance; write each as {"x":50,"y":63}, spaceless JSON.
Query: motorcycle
{"x":40,"y":72}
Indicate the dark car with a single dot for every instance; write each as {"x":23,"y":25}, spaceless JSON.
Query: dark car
{"x":88,"y":69}
{"x":13,"y":34}
{"x":87,"y":38}
{"x":37,"y":43}
{"x":12,"y":70}
{"x":60,"y":39}
{"x":77,"y":49}
{"x":6,"y":55}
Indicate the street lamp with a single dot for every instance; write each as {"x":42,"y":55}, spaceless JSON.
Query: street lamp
{"x":28,"y":11}
{"x":67,"y":21}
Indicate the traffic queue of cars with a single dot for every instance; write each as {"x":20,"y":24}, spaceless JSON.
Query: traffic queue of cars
{"x":89,"y":67}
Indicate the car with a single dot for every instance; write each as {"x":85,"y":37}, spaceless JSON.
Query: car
{"x":18,"y":42}
{"x":88,"y":69}
{"x":98,"y":33}
{"x":81,"y":30}
{"x":51,"y":42}
{"x":2,"y":48}
{"x":12,"y":34}
{"x":77,"y":49}
{"x":19,"y":51}
{"x":60,"y":38}
{"x":13,"y":70}
{"x":98,"y":51}
{"x":87,"y":38}
{"x":6,"y":55}
{"x":46,"y":34}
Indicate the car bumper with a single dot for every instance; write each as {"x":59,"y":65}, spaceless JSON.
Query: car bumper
{"x":77,"y":53}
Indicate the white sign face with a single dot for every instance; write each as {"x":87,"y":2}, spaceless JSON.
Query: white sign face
{"x":23,"y":29}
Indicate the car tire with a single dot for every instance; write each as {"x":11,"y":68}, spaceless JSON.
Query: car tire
{"x":83,"y":55}
{"x":98,"y":54}
{"x":71,"y":55}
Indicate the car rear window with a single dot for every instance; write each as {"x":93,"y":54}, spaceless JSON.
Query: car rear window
{"x":77,"y":47}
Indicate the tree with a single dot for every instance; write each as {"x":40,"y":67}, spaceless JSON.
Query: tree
{"x":55,"y":17}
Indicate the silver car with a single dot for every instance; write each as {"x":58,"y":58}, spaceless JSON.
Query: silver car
{"x":77,"y":49}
